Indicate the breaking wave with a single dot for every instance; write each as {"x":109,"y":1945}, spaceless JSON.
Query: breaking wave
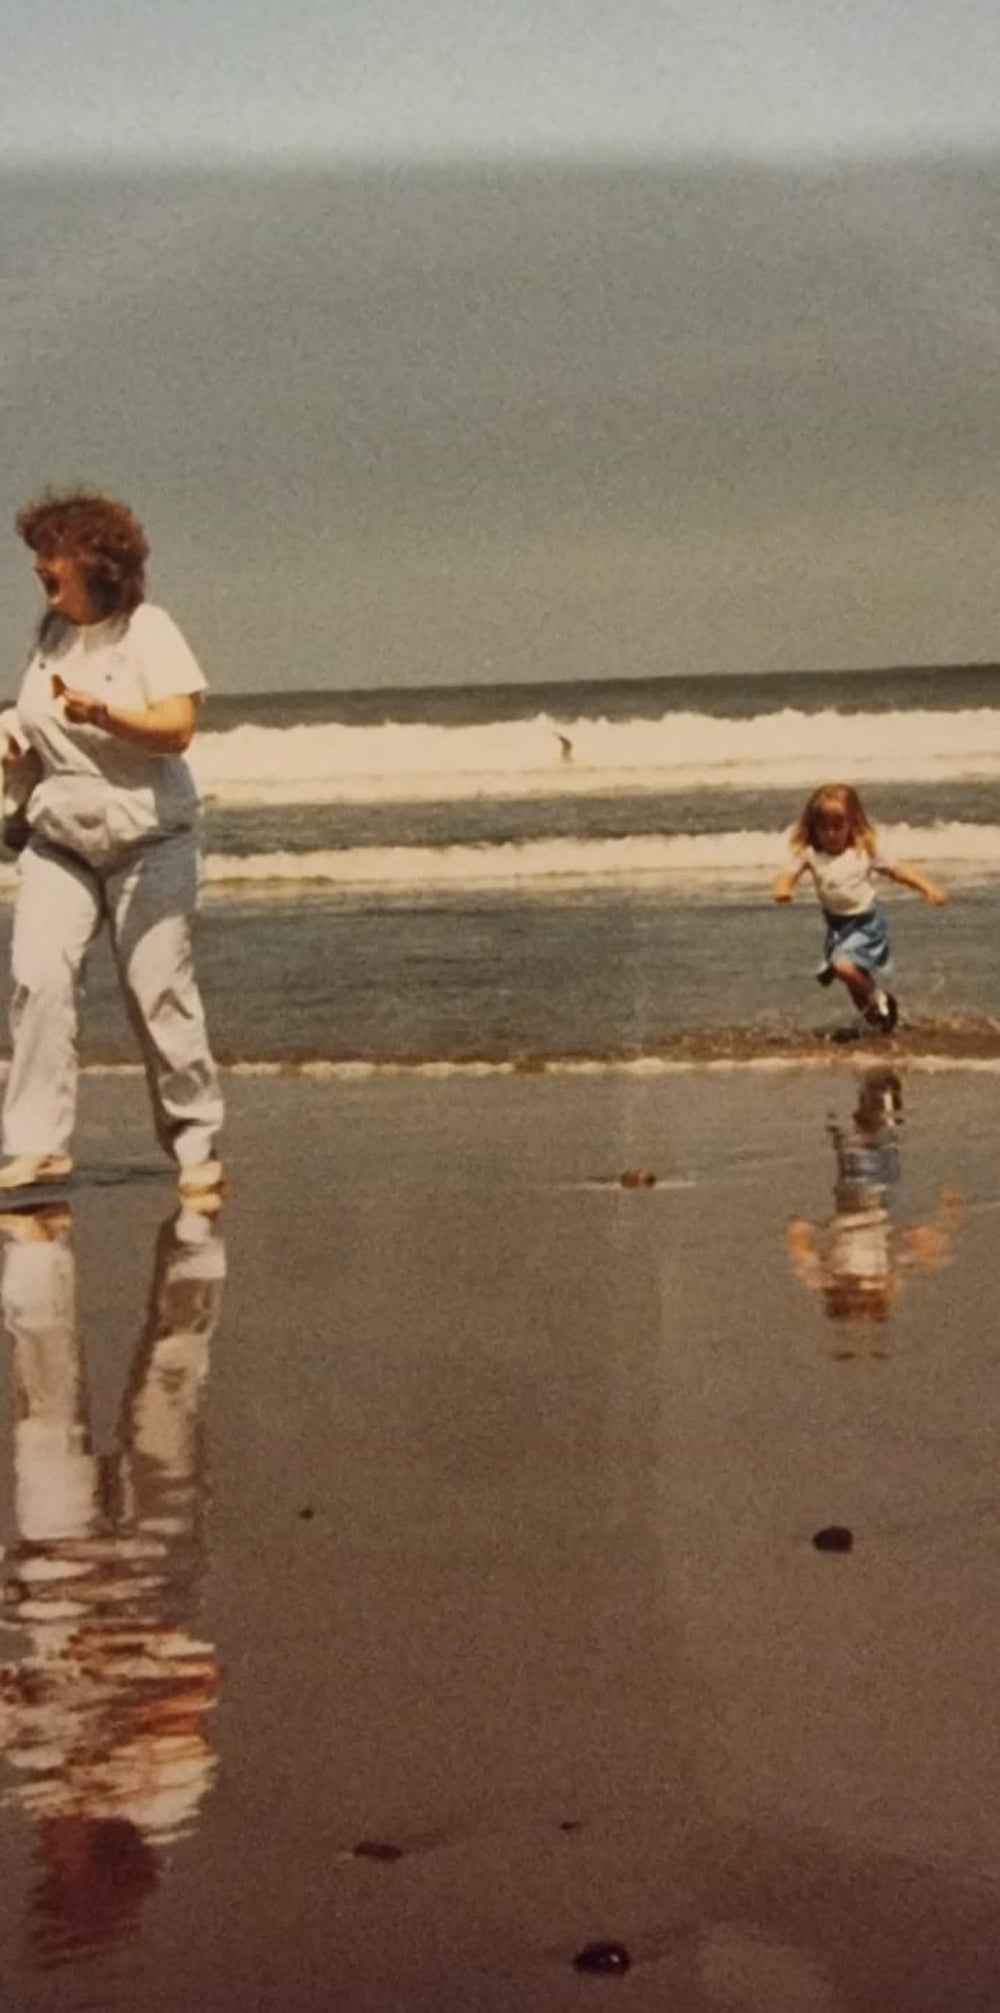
{"x":331,"y":762}
{"x":677,"y":861}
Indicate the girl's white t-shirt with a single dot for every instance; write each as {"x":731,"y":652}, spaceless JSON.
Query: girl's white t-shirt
{"x":99,"y":795}
{"x":845,"y":882}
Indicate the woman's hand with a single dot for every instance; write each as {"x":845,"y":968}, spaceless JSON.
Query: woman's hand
{"x":83,"y":709}
{"x":13,"y":747}
{"x":784,"y":887}
{"x":163,"y":728}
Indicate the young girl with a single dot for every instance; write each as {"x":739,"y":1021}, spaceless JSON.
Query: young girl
{"x":835,"y":843}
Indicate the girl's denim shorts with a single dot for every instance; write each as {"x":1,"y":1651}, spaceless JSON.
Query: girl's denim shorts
{"x":863,"y":940}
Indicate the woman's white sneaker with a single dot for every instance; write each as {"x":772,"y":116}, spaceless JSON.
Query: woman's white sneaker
{"x":30,"y":1170}
{"x":203,"y":1177}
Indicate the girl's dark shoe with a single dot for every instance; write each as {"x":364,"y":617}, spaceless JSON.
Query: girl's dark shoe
{"x":883,"y":1012}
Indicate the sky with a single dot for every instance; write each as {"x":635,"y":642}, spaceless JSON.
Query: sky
{"x":646,"y":337}
{"x":167,"y":78}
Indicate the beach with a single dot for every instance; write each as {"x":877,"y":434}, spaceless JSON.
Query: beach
{"x":486,"y":1622}
{"x":533,"y":1546}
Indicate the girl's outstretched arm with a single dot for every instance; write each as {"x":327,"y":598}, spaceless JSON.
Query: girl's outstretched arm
{"x":783,"y":888}
{"x":908,"y":877}
{"x":805,"y":1258}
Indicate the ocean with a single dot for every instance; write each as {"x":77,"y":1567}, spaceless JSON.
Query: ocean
{"x":446,"y":432}
{"x":519,"y":875}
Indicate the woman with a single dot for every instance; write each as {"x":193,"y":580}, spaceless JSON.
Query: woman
{"x":108,"y":705}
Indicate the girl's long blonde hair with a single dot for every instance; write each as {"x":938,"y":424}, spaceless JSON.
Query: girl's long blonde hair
{"x":834,"y":797}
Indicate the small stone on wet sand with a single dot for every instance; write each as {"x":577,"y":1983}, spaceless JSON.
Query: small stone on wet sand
{"x":834,"y":1538}
{"x":605,"y":1959}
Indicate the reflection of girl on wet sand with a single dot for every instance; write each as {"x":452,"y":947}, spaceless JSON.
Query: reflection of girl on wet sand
{"x":102,"y":1713}
{"x":854,"y":1263}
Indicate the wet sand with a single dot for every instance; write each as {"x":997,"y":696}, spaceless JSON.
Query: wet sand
{"x":487,"y":1546}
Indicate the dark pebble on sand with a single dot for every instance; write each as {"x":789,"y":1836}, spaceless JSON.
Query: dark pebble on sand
{"x":607,"y":1960}
{"x":569,"y":1824}
{"x":376,"y":1848}
{"x":835,"y":1538}
{"x":307,"y":1513}
{"x":638,"y":1177}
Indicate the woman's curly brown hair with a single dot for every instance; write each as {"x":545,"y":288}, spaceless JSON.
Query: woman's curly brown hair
{"x":102,"y":533}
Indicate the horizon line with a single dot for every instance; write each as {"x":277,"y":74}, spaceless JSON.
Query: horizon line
{"x":438,"y":159}
{"x":882,"y":670}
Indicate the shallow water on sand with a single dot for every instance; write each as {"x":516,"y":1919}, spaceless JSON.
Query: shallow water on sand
{"x":506,"y":977}
{"x":469,"y":1523}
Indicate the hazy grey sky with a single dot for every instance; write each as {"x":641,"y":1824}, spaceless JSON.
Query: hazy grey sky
{"x":453,"y":424}
{"x":165,"y":77}
{"x":456,"y":423}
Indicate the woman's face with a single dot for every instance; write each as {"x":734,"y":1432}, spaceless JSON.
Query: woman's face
{"x":63,"y":579}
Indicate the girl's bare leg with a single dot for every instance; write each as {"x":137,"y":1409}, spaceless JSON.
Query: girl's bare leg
{"x":860,"y":985}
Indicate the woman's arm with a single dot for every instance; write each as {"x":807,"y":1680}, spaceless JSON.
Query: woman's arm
{"x":908,"y":877}
{"x":163,"y":728}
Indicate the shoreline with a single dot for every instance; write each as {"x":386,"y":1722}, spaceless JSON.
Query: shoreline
{"x":960,"y":1045}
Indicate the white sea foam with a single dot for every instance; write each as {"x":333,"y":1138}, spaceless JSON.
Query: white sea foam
{"x":681,"y":751}
{"x":700,"y":862}
{"x":679,"y":861}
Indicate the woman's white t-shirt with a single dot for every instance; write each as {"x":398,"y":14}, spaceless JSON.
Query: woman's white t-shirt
{"x":100,"y":795}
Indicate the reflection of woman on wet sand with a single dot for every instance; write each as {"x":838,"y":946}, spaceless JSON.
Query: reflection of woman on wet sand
{"x":102,"y":1711}
{"x":854,"y":1263}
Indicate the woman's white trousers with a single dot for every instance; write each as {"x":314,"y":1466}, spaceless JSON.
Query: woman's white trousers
{"x":149,"y":903}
